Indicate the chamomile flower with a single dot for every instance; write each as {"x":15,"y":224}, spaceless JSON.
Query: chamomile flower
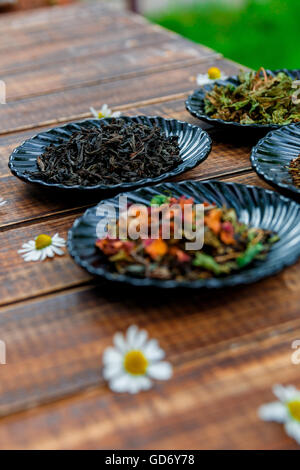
{"x":134,"y":361}
{"x":41,"y":247}
{"x":286,"y":410}
{"x":212,"y":75}
{"x":2,"y":201}
{"x":104,"y":112}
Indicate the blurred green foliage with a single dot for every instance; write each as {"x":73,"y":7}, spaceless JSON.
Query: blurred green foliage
{"x":255,"y":33}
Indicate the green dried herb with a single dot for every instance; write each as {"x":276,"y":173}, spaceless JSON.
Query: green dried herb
{"x":259,"y":99}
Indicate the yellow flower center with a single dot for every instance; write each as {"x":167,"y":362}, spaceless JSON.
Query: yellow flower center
{"x":294,"y":409}
{"x":100,"y":115}
{"x":214,"y":73}
{"x":42,"y":241}
{"x":135,"y":363}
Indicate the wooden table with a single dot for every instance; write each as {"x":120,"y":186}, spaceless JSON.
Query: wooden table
{"x":227,"y":348}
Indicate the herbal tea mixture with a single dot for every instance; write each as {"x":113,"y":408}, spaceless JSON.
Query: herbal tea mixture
{"x":114,"y":153}
{"x":259,"y":99}
{"x":228,"y":244}
{"x":294,"y":170}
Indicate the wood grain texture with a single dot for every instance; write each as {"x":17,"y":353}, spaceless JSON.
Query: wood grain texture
{"x":112,"y":38}
{"x":225,"y":360}
{"x":128,"y":60}
{"x":20,"y":280}
{"x":73,"y":102}
{"x":227,"y":350}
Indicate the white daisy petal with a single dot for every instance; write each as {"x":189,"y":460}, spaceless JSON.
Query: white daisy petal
{"x":105,"y":109}
{"x":120,"y":342}
{"x":292,"y":428}
{"x":24,"y":250}
{"x":131,"y":336}
{"x":140,"y":339}
{"x":59,"y":244}
{"x":145,"y":383}
{"x":133,"y":385}
{"x":111,"y":371}
{"x":275,"y":411}
{"x":36,"y":255}
{"x":43,"y":255}
{"x":49,"y":251}
{"x":57,"y":240}
{"x":116,"y":114}
{"x":160,"y":371}
{"x":28,"y":257}
{"x":28,"y":246}
{"x":112,"y":356}
{"x":136,"y":384}
{"x":120,"y":384}
{"x":94,"y":112}
{"x":203,"y":79}
{"x":285,"y":394}
{"x":152,"y":351}
{"x":57,"y":250}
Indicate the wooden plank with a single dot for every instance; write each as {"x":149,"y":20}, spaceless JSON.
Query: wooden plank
{"x":74,"y":103}
{"x":249,"y":178}
{"x":221,"y":373}
{"x":55,"y":24}
{"x":38,"y":18}
{"x":25,"y":203}
{"x":20,"y":280}
{"x":97,"y":39}
{"x":36,"y":56}
{"x":96,"y":69}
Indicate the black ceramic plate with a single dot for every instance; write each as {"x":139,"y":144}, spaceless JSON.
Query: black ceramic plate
{"x":195,"y":102}
{"x":272,"y":155}
{"x":194,"y":143}
{"x":255,"y":206}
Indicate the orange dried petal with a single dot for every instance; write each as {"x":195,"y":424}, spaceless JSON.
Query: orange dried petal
{"x":157,"y":248}
{"x":227,"y":237}
{"x":213,"y":220}
{"x":180,"y":255}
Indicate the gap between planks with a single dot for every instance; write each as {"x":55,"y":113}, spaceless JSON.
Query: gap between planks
{"x":247,"y":342}
{"x":75,"y":117}
{"x":124,"y":76}
{"x":78,"y":210}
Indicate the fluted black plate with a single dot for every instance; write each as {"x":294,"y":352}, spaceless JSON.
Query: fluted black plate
{"x":254,"y":206}
{"x":270,"y":158}
{"x":195,"y":102}
{"x":194,"y":144}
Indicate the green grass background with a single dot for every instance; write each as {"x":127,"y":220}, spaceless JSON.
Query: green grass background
{"x":257,"y":33}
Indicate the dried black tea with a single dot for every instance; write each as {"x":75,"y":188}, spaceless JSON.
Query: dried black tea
{"x":117,"y":151}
